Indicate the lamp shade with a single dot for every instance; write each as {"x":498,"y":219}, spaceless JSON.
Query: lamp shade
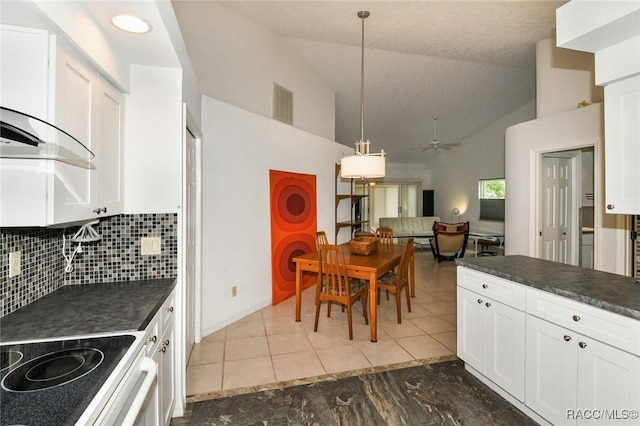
{"x":362,"y":166}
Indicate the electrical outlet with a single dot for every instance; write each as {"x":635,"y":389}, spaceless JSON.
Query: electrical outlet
{"x":234,"y":291}
{"x":150,"y":245}
{"x":15,"y":264}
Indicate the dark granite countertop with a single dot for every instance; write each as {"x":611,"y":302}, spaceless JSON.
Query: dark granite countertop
{"x":88,"y":309}
{"x":611,"y":292}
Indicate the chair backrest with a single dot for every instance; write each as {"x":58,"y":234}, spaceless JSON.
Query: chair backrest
{"x":451,"y":237}
{"x":402,"y":274}
{"x":321,"y":238}
{"x":332,"y":272}
{"x":385,"y":234}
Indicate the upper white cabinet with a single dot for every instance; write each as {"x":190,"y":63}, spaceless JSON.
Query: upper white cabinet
{"x":70,"y":94}
{"x":610,"y":30}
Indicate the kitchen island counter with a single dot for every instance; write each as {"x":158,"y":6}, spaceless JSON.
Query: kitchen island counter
{"x":611,"y":292}
{"x":88,"y":309}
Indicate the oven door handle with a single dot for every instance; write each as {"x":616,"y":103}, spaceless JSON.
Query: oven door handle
{"x":151,"y":369}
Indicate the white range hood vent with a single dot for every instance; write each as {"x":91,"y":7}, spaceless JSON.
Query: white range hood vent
{"x":25,"y":136}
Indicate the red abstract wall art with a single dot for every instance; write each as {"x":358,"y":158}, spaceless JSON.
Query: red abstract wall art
{"x":293,"y":226}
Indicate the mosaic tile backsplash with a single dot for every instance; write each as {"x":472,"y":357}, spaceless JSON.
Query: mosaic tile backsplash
{"x":115,"y":258}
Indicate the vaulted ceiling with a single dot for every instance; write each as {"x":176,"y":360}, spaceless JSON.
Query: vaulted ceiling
{"x":468,"y":62}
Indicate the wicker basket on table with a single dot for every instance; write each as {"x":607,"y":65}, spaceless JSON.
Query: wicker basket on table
{"x":364,"y":245}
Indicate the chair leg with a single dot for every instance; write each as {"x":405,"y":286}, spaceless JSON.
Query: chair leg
{"x":349,"y":318}
{"x":399,"y":307}
{"x":315,"y":326}
{"x":329,"y":309}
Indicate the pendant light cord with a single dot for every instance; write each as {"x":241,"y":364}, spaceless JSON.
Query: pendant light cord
{"x":362,"y":15}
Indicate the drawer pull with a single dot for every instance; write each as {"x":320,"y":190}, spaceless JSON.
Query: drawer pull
{"x":153,"y":339}
{"x":485,"y":286}
{"x":582,"y":345}
{"x":488,"y":305}
{"x":163,"y":349}
{"x":166,"y":342}
{"x":479,"y":300}
{"x":567,"y":338}
{"x":170,"y":309}
{"x":576,"y":318}
{"x":610,"y":207}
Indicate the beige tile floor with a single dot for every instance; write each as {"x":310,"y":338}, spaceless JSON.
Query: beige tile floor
{"x":269,"y":346}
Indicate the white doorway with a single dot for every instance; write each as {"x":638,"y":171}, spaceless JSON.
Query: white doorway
{"x":191,"y":235}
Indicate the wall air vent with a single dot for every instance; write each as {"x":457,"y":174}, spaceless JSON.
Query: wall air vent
{"x":282,"y":104}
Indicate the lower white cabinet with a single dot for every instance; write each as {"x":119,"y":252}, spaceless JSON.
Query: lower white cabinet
{"x":573,"y":379}
{"x":582,"y":363}
{"x":491,"y":338}
{"x":161,"y":348}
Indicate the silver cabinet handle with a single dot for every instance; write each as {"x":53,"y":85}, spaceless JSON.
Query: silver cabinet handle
{"x":100,"y":210}
{"x":170,"y":309}
{"x":567,"y":338}
{"x":576,"y":318}
{"x":582,"y":345}
{"x":166,"y":342}
{"x":153,"y":339}
{"x":163,"y":349}
{"x":485,"y":286}
{"x":488,"y":305}
{"x":479,"y":300}
{"x":610,"y":207}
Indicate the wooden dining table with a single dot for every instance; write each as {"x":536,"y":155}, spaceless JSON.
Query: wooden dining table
{"x":368,"y":267}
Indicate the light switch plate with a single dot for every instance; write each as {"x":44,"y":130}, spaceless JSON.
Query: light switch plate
{"x":15,"y":264}
{"x":150,"y":246}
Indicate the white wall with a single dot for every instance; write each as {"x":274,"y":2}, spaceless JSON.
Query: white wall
{"x":560,"y":132}
{"x":247,"y":58}
{"x":153,"y":141}
{"x":564,"y":78}
{"x":455,"y":173}
{"x":239,"y":149}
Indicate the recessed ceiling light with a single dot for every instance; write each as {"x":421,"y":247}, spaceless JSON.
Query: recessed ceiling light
{"x":131,"y":23}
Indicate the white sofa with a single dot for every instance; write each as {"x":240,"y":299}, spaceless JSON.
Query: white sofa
{"x":405,"y":227}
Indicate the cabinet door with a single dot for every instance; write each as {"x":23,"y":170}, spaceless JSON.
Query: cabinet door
{"x":608,"y":380}
{"x":167,"y":375}
{"x":622,"y":132}
{"x":24,"y":70}
{"x":109,"y":136}
{"x":471,"y":328}
{"x":505,"y":335}
{"x":551,"y":373}
{"x":74,"y":99}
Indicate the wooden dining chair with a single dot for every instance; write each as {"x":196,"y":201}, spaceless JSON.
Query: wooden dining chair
{"x":394,"y":282}
{"x":321,"y":238}
{"x":334,"y":286}
{"x":385,"y":234}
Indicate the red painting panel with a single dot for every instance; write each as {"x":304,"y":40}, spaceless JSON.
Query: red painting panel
{"x":293,"y":226}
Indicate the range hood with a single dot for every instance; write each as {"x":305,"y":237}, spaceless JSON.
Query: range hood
{"x":25,"y":136}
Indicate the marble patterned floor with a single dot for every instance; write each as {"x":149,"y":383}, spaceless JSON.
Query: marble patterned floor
{"x":434,"y":394}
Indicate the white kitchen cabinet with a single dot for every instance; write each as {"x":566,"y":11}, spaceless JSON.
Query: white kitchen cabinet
{"x":491,"y":334}
{"x":570,"y":376}
{"x":622,"y":150}
{"x":161,"y":348}
{"x":73,"y":96}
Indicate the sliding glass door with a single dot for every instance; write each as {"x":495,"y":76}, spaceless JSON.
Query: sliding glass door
{"x":389,"y":200}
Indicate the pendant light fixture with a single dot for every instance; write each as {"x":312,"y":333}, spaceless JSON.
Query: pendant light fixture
{"x":362,"y":164}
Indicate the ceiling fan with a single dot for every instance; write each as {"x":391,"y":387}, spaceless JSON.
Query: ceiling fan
{"x":435,"y":143}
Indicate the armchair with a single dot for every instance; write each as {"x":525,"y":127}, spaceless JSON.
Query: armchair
{"x":449,"y":240}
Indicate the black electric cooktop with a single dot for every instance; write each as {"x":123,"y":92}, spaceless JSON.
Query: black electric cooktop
{"x":53,"y":382}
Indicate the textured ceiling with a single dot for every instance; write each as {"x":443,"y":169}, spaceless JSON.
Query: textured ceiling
{"x":468,"y":62}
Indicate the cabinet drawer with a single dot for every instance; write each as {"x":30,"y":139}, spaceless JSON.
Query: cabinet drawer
{"x":616,"y":330}
{"x":498,"y":289}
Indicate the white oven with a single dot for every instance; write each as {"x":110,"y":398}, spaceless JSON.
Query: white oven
{"x":132,"y":398}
